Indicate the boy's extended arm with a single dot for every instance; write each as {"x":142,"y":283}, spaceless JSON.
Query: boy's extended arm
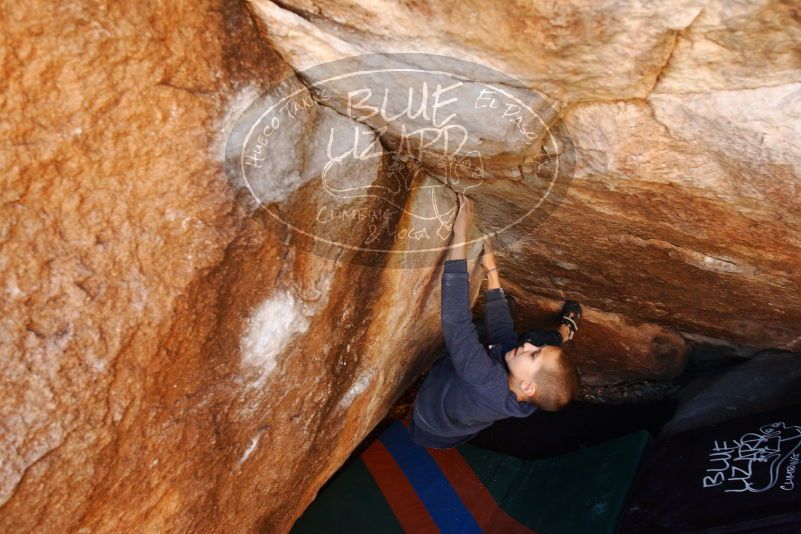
{"x":470,"y":359}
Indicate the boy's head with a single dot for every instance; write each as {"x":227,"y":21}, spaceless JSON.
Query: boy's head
{"x":543,"y":376}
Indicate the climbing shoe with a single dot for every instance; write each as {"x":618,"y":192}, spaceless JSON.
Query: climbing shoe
{"x":571,"y":316}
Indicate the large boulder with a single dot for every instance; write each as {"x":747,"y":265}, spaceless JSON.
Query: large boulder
{"x":684,"y":118}
{"x":170,"y":363}
{"x":179,"y":357}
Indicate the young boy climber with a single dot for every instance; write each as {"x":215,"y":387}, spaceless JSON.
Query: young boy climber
{"x":473,"y":385}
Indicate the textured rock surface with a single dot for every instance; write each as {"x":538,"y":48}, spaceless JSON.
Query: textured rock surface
{"x":685,"y":118}
{"x":171,"y":366}
{"x":610,"y":349}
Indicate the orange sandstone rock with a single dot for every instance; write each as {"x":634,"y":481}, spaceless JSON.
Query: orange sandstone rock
{"x":174,"y":362}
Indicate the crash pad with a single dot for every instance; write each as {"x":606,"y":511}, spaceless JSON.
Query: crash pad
{"x":396,"y":485}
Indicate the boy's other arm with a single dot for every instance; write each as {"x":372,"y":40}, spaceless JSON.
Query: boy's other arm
{"x":500,"y":326}
{"x":498,"y":319}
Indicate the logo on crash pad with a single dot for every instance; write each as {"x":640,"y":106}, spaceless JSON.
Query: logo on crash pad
{"x":756,"y":462}
{"x":362,"y":158}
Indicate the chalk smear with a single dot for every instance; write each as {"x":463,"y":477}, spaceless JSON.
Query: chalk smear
{"x":271,"y":328}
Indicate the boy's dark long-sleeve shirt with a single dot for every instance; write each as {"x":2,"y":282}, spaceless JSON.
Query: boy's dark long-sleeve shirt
{"x":468,"y":388}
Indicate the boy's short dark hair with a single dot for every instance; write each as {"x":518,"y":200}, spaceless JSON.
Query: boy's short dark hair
{"x":557,"y":383}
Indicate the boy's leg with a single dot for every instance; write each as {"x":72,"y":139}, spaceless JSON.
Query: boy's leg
{"x":542,"y":337}
{"x":571,"y":317}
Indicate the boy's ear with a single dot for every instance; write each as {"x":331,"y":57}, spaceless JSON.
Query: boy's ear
{"x":528,"y":387}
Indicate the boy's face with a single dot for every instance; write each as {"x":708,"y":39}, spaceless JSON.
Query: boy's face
{"x":525,"y":360}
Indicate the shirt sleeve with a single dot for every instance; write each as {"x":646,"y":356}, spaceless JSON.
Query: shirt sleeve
{"x":468,"y":355}
{"x":500,"y":326}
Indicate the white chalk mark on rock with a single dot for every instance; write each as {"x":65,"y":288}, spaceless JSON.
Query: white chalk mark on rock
{"x":271,"y":328}
{"x":358,"y":387}
{"x":251,"y":447}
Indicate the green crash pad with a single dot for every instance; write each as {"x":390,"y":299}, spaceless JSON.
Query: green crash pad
{"x":396,"y":486}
